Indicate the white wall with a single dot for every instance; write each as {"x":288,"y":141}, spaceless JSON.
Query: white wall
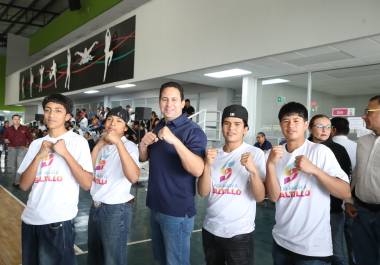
{"x":174,"y":36}
{"x":17,"y":53}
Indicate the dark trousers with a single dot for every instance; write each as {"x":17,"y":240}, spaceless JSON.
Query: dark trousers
{"x":282,"y":256}
{"x":237,"y":250}
{"x":50,"y":244}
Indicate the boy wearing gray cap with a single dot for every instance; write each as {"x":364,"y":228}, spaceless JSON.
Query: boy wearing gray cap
{"x":232,"y":181}
{"x":115,"y":161}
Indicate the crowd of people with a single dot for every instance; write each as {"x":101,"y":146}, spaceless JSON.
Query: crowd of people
{"x":307,"y":179}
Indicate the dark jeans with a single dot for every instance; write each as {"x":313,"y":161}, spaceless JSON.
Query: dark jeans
{"x":51,"y":244}
{"x":366,"y":236}
{"x":282,"y":256}
{"x":337,"y":233}
{"x":237,"y":250}
{"x":108,"y":227}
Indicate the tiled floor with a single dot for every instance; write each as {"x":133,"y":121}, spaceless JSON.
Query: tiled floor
{"x":139,"y":247}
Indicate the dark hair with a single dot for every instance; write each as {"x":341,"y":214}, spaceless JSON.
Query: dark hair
{"x":341,"y":125}
{"x":261,"y":133}
{"x":16,"y":115}
{"x":317,"y":116}
{"x":59,"y":99}
{"x":172,"y":84}
{"x":293,"y":108}
{"x":187,"y":100}
{"x":377,"y":98}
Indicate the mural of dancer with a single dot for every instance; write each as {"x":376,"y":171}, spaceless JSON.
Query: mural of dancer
{"x":42,"y":69}
{"x":86,"y":54}
{"x":107,"y":53}
{"x":31,"y":80}
{"x":68,"y":70}
{"x":53,"y":73}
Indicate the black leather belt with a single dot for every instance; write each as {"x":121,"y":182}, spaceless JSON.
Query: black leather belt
{"x":369,"y":206}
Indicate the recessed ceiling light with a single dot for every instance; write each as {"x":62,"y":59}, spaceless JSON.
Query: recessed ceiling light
{"x":91,"y":91}
{"x":125,"y":85}
{"x":274,"y":81}
{"x":228,"y":73}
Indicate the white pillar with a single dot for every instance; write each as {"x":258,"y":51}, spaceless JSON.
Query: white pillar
{"x":107,"y":101}
{"x":249,"y":101}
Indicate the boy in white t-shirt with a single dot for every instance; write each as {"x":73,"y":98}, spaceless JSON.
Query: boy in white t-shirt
{"x":115,"y":161}
{"x":54,"y":166}
{"x":233,"y":181}
{"x":301,"y":175}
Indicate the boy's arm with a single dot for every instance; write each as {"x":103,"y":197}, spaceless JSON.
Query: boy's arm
{"x":271,"y":181}
{"x":28,"y":176}
{"x":204,"y":181}
{"x":335,"y":186}
{"x":130,"y":169}
{"x":83,"y":177}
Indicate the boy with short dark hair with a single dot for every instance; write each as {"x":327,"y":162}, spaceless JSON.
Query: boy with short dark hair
{"x":54,"y":166}
{"x":301,"y":175}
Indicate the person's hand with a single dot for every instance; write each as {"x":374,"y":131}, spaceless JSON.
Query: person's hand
{"x":350,"y":210}
{"x":112,"y":137}
{"x":60,"y":147}
{"x":148,"y":139}
{"x":211,"y":155}
{"x":166,"y":135}
{"x":303,"y":164}
{"x":247,"y":162}
{"x":275,"y":154}
{"x":45,"y":149}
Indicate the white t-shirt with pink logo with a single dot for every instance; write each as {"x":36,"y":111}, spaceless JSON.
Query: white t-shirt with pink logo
{"x":110,"y":185}
{"x":303,"y":209}
{"x":231,"y":208}
{"x":55,"y":192}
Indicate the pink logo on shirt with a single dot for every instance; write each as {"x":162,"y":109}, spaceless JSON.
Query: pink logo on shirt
{"x":100,"y":165}
{"x":291,"y":174}
{"x":48,"y":160}
{"x":226,"y":171}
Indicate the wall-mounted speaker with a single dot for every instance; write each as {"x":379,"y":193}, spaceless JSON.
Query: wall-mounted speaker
{"x":74,"y":5}
{"x":142,"y":113}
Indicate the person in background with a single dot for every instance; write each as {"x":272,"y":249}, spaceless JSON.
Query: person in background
{"x":17,"y":137}
{"x":262,"y":142}
{"x":366,"y":186}
{"x":340,"y":131}
{"x":188,"y":109}
{"x":151,"y":124}
{"x":90,"y":140}
{"x":320,"y":132}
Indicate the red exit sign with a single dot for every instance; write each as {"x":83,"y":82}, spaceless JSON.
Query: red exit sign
{"x":342,"y":112}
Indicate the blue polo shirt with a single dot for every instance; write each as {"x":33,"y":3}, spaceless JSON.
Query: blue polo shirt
{"x":171,"y":189}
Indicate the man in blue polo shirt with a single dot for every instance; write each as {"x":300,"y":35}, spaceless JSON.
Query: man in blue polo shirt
{"x":175,"y":150}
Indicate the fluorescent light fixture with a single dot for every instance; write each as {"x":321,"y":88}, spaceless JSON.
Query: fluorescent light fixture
{"x":91,"y":91}
{"x":6,"y":111}
{"x":125,"y":85}
{"x":274,"y":81}
{"x":229,"y":73}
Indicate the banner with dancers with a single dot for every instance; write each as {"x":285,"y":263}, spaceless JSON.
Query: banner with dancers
{"x":104,"y":58}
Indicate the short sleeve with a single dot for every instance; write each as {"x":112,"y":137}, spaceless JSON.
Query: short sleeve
{"x":133,"y":152}
{"x":30,"y":155}
{"x":196,"y":141}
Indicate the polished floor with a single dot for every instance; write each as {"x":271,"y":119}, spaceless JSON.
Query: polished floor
{"x":139,"y":245}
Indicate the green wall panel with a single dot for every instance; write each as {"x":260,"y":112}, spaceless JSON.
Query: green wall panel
{"x":67,"y":22}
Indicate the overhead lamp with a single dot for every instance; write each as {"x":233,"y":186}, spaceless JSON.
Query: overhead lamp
{"x":6,"y":111}
{"x":274,"y":81}
{"x":91,"y":91}
{"x":125,"y":85}
{"x":229,"y":73}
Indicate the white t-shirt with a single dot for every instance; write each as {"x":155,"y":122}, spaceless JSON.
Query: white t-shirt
{"x":111,"y":186}
{"x":303,"y":209}
{"x":231,"y":208}
{"x":55,"y":192}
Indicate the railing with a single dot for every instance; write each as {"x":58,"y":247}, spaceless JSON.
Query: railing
{"x":210,"y":123}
